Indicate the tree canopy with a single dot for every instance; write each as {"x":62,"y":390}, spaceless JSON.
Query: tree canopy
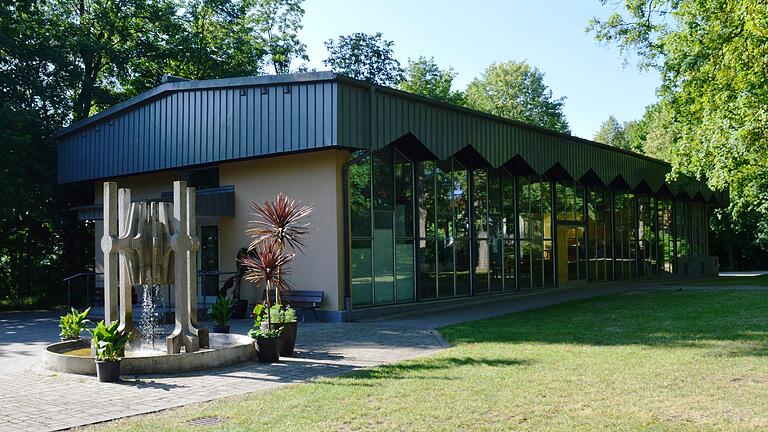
{"x":424,"y":77}
{"x":611,"y":132}
{"x":64,"y":60}
{"x":365,"y":57}
{"x":712,"y":58}
{"x":517,"y":91}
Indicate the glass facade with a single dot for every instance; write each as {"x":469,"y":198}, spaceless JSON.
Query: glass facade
{"x":427,"y":230}
{"x":600,"y":234}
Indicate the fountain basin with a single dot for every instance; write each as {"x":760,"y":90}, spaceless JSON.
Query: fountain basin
{"x":226,"y":349}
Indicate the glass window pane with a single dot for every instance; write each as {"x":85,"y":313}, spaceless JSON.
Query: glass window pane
{"x":462,"y":267}
{"x":444,"y":193}
{"x":525,"y":264}
{"x":362,"y":282}
{"x":360,"y":198}
{"x":496,"y":261}
{"x":460,"y":200}
{"x":480,"y":206}
{"x":403,"y":197}
{"x":383,"y":187}
{"x":508,"y":205}
{"x":427,"y":269}
{"x":405,"y":270}
{"x":426,"y":190}
{"x":482,"y":265}
{"x":445,"y":268}
{"x":384,"y":272}
{"x":509,"y":265}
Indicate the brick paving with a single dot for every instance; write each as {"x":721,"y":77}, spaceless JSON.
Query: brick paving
{"x":33,"y":399}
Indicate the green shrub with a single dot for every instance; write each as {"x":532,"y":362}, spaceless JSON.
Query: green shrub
{"x":258,"y":333}
{"x":73,"y":323}
{"x":109,"y":341}
{"x":222,"y":310}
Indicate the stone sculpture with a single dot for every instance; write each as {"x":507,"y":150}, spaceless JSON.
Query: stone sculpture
{"x":152,"y":243}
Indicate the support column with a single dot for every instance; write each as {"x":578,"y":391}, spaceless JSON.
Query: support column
{"x":181,"y":243}
{"x":126,"y":302}
{"x":111,"y":261}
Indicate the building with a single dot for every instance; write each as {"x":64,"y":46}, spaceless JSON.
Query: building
{"x":415,"y":200}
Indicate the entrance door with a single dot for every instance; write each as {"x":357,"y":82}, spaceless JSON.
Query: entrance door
{"x":572,"y":259}
{"x":208,"y":266}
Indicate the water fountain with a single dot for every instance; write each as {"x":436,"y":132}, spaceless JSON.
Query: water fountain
{"x":152,"y":244}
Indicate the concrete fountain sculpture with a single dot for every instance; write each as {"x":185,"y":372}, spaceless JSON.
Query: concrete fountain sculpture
{"x":153,"y":243}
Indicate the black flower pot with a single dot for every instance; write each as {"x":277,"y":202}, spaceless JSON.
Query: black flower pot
{"x":108,"y":371}
{"x":69,"y":339}
{"x":268,"y":349}
{"x":220,"y":329}
{"x":241,"y":309}
{"x":287,"y":337}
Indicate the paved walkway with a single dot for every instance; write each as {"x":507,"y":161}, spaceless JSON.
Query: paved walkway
{"x":33,"y":399}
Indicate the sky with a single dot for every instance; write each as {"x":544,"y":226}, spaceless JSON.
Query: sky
{"x":470,"y":35}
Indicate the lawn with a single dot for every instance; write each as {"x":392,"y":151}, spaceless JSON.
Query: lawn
{"x":691,"y":360}
{"x":761,"y":280}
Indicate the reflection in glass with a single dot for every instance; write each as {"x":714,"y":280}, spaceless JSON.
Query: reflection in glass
{"x":383,"y":253}
{"x":361,"y":278}
{"x":406,"y":288}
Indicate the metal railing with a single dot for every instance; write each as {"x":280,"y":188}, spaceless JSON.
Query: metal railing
{"x":89,"y":288}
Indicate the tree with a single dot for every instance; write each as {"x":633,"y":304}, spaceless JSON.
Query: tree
{"x":611,"y":132}
{"x":712,"y":58}
{"x":279,"y":22}
{"x":517,"y":91}
{"x":365,"y":57}
{"x":424,"y":77}
{"x":64,"y":60}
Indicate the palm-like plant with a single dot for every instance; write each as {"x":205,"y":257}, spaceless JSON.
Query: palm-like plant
{"x":281,"y":223}
{"x":263,"y":265}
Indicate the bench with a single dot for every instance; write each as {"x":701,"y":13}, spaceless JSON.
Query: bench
{"x":300,"y":300}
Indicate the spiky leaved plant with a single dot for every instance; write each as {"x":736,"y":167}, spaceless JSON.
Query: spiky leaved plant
{"x":282,"y":221}
{"x":263,"y":265}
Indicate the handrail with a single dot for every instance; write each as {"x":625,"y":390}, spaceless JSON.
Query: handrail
{"x":88,"y":275}
{"x":69,"y":278}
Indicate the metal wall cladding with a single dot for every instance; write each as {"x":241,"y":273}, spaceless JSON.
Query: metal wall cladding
{"x":206,"y":122}
{"x":198,"y":126}
{"x":374,"y":118}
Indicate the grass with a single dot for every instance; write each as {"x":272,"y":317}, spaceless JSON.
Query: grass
{"x":691,"y":360}
{"x":761,"y":280}
{"x":22,"y":304}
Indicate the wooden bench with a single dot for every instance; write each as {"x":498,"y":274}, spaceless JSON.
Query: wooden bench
{"x":301,"y":300}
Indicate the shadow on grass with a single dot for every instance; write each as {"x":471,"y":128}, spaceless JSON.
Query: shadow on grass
{"x":731,"y":323}
{"x":419,"y":370}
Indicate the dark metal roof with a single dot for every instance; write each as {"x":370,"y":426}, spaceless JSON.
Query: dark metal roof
{"x":190,"y":123}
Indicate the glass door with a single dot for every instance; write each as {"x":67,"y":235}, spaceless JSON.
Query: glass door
{"x":208,"y":267}
{"x":571,"y":267}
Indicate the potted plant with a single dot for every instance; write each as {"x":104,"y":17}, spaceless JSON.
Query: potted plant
{"x":263,"y":267}
{"x":72,"y":324}
{"x":284,"y":318}
{"x":220,"y":312}
{"x":110,"y":345}
{"x":267,"y":343}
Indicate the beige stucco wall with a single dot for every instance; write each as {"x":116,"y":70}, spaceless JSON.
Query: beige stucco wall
{"x":313,"y":178}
